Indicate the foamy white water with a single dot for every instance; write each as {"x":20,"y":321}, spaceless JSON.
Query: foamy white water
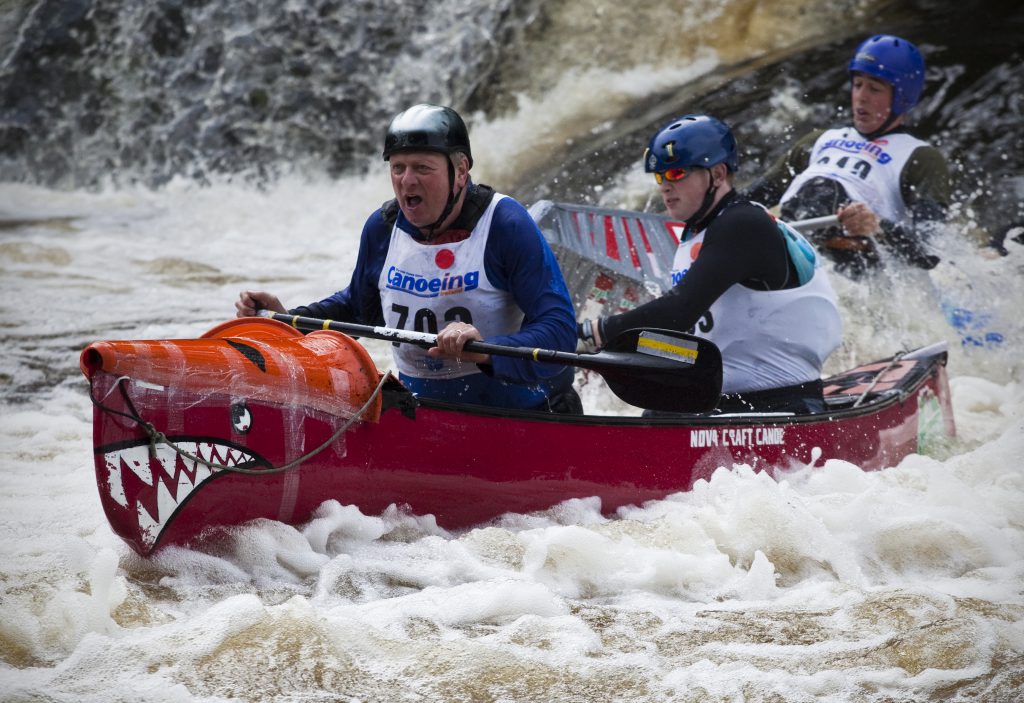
{"x":832,"y":584}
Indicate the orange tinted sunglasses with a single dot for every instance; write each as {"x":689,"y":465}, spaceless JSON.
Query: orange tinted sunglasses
{"x":671,"y":175}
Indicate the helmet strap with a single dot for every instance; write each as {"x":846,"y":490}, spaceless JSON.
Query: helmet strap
{"x":431,"y":229}
{"x":885,"y":126}
{"x":707,"y":203}
{"x":883,"y":129}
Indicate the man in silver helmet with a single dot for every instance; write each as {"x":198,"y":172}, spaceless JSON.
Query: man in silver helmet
{"x":454,"y":258}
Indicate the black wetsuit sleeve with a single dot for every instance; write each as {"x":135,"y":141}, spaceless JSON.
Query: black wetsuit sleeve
{"x":925,"y":178}
{"x":768,"y":189}
{"x":925,"y":188}
{"x":742,"y":245}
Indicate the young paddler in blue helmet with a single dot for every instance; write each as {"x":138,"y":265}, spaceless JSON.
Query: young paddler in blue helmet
{"x":889,"y":188}
{"x":739,"y":278}
{"x":454,"y":258}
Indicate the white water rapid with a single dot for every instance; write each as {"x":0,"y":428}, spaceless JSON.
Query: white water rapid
{"x":904,"y":584}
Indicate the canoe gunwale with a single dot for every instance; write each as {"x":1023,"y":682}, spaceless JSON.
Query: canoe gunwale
{"x":843,"y":409}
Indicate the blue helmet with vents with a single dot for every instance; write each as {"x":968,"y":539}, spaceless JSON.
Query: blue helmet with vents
{"x":692,"y":141}
{"x":895,"y":61}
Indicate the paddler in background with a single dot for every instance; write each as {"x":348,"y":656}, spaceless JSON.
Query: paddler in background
{"x":740,"y":278}
{"x":454,"y":258}
{"x":888,"y":188}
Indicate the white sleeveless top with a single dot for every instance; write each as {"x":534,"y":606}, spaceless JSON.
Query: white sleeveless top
{"x":768,"y":339}
{"x":426,"y":286}
{"x":869,"y":170}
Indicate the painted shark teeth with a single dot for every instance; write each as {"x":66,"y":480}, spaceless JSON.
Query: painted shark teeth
{"x":168,"y":474}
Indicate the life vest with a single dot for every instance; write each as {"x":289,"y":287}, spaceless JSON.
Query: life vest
{"x":425,"y":286}
{"x":869,"y":171}
{"x":770,"y":339}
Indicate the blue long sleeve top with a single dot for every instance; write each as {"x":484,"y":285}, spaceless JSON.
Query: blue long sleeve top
{"x":517,"y":259}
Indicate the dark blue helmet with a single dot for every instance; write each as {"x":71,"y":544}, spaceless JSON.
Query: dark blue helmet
{"x":895,"y":61}
{"x":692,"y":141}
{"x":427,"y":128}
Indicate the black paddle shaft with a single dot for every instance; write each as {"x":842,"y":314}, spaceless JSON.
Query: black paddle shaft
{"x":653,"y":369}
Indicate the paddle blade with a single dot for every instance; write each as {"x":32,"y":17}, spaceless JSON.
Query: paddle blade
{"x":670,"y":371}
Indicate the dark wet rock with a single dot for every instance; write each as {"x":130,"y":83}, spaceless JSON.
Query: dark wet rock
{"x":128,"y":77}
{"x":93,"y":89}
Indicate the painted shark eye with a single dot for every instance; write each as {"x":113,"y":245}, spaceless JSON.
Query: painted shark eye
{"x":241,"y":418}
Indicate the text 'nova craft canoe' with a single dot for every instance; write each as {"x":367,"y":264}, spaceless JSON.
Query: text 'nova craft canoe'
{"x":256,"y":420}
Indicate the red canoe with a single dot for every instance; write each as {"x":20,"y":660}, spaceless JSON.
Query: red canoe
{"x":255,"y":420}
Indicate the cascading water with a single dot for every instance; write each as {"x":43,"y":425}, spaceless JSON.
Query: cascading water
{"x":94,"y":90}
{"x":200,"y":88}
